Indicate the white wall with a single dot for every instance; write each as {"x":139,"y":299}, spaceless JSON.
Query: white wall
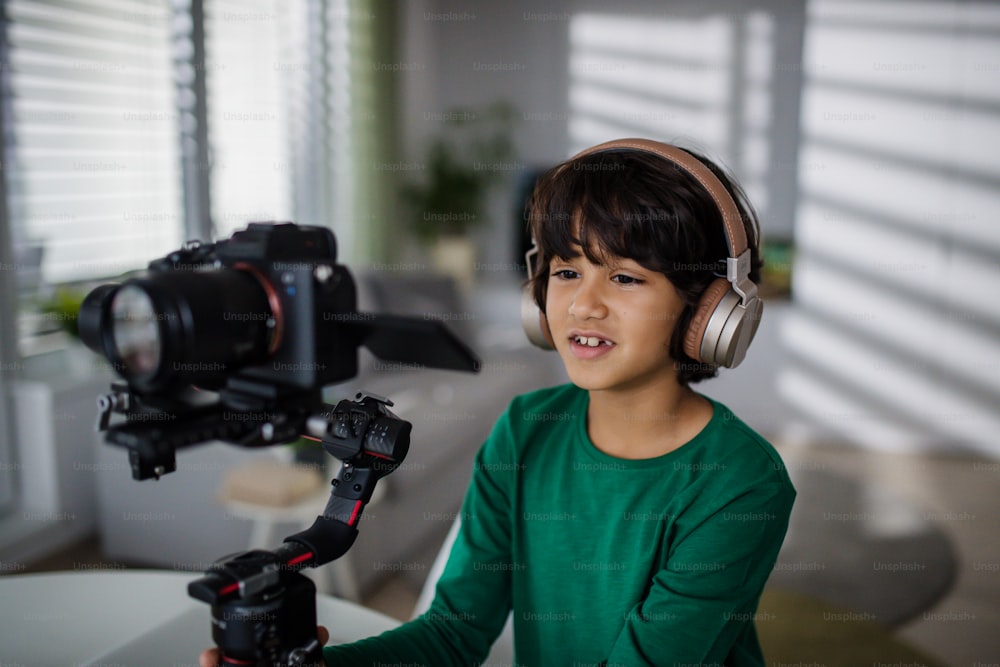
{"x":710,"y":74}
{"x":876,"y":149}
{"x":472,"y":54}
{"x":894,"y":342}
{"x":723,"y":77}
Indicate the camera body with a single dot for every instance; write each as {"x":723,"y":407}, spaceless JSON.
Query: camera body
{"x":308,"y":294}
{"x":254,"y":312}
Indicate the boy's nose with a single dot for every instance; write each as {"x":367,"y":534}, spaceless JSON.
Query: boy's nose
{"x":587,"y":303}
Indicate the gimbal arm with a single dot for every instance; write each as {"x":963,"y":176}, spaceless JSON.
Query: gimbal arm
{"x":263,"y":609}
{"x":371,"y":442}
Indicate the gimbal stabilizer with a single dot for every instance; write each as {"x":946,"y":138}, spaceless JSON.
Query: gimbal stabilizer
{"x":263,"y":609}
{"x":235,"y":341}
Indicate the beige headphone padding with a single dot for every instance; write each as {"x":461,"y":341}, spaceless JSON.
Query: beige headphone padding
{"x":709,"y":301}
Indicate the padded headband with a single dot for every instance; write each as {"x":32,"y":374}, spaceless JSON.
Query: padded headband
{"x":736,"y":236}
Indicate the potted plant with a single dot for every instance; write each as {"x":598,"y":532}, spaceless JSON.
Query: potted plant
{"x":61,"y":309}
{"x":471,"y":156}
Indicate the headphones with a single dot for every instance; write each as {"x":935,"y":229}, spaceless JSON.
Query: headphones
{"x":728,"y":313}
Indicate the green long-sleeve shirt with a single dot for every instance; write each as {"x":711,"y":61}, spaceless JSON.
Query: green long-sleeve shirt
{"x":603,"y":560}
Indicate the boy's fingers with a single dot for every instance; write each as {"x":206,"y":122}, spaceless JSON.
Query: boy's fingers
{"x":209,"y":658}
{"x":323,"y":634}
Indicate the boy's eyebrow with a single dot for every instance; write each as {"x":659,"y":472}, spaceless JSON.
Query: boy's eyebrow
{"x":615,"y":262}
{"x":626,"y":264}
{"x":562,"y":261}
{"x":575,"y":255}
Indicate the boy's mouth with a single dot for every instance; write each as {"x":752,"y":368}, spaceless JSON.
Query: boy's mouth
{"x":590,"y":341}
{"x":586,"y":346}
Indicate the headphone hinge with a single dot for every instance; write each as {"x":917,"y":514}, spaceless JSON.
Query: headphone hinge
{"x":529,"y":258}
{"x":738,"y":273}
{"x":747,"y":290}
{"x":738,"y":268}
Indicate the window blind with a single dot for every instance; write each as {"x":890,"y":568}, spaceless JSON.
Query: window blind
{"x":92,"y":156}
{"x":252,"y":50}
{"x":291,"y":93}
{"x":100,"y":115}
{"x":702,"y":80}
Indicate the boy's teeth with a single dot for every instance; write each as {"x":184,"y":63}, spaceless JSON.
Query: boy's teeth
{"x":591,"y":341}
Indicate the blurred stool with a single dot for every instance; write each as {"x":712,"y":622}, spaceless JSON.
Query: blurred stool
{"x":270,"y":493}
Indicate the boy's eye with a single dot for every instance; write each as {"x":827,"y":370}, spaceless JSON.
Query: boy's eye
{"x":623,"y":279}
{"x":565,"y":274}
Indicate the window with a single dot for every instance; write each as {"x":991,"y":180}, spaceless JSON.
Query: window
{"x":712,"y":77}
{"x":116,"y":153}
{"x":253,"y":54}
{"x":288,"y":110}
{"x":93,"y":166}
{"x":894,"y":344}
{"x":100,"y":116}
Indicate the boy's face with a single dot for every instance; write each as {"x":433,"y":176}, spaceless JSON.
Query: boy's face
{"x":612,"y":322}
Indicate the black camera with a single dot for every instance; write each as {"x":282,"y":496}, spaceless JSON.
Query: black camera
{"x":261,"y":306}
{"x":235,"y":340}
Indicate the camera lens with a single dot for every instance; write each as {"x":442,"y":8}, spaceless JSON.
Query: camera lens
{"x":169,"y":330}
{"x":91,"y":321}
{"x":136,"y":332}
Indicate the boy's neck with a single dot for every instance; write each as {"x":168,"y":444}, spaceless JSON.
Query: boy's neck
{"x":646,"y":423}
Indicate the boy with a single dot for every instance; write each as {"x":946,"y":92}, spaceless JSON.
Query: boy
{"x":624,"y":518}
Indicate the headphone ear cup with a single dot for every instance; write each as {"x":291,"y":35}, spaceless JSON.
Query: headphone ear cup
{"x":536,"y":326}
{"x":707,"y":305}
{"x":722,"y":328}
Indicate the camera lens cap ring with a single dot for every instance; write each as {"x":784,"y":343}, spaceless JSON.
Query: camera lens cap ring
{"x":273,"y":300}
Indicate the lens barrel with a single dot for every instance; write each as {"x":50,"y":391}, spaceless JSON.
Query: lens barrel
{"x":172,"y":329}
{"x":91,"y":320}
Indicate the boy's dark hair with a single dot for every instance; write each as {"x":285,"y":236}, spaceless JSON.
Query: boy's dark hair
{"x":637,"y":205}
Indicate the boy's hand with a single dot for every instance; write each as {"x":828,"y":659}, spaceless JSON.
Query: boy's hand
{"x":210,"y":657}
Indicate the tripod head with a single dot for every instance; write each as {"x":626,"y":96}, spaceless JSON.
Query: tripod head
{"x":263,"y":609}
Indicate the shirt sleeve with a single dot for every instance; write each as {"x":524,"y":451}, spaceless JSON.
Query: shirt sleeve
{"x":472,"y":598}
{"x":706,"y":596}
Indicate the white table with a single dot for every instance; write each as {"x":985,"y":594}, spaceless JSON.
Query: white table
{"x":129,"y":617}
